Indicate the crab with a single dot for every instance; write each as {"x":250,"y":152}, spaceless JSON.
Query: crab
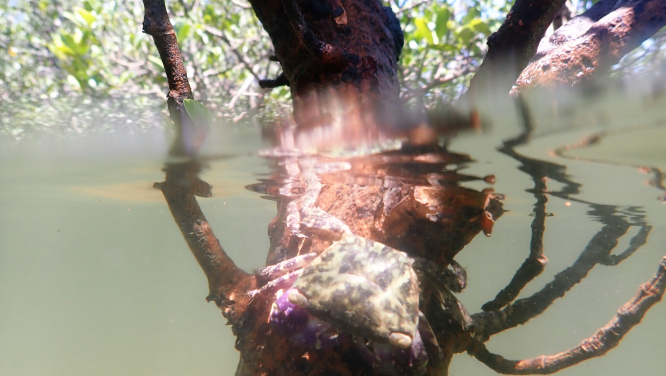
{"x":357,"y":287}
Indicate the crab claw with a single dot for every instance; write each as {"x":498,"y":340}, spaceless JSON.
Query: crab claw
{"x":400,"y":340}
{"x":487,"y":223}
{"x":295,"y":297}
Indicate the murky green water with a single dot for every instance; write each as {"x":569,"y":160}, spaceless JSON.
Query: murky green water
{"x":96,"y":279}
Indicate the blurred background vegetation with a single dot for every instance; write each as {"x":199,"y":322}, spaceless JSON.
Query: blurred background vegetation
{"x":63,"y":57}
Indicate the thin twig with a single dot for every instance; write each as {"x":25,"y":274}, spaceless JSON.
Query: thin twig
{"x":421,"y":91}
{"x":218,"y":33}
{"x":242,"y":5}
{"x":402,"y":10}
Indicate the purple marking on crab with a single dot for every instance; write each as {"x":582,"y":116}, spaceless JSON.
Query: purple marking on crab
{"x":288,"y":315}
{"x":303,"y":328}
{"x":281,"y":283}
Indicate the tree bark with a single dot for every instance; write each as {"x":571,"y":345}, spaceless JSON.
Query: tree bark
{"x":512,"y":46}
{"x":348,"y":48}
{"x":590,"y":44}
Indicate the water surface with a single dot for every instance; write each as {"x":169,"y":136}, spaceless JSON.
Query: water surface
{"x":95,"y":277}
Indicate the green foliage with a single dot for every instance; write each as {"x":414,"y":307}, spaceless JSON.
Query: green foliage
{"x":95,"y":48}
{"x":198,"y":112}
{"x":444,"y":44}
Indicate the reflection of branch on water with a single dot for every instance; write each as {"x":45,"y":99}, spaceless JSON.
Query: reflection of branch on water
{"x":541,"y":172}
{"x":606,"y":338}
{"x":227,"y":283}
{"x":598,"y":251}
{"x":658,"y":176}
{"x":535,"y":263}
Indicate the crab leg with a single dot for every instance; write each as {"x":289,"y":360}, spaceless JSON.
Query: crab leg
{"x":278,"y":270}
{"x":605,"y":339}
{"x":284,"y":281}
{"x":454,"y":280}
{"x":316,"y":219}
{"x":428,"y":337}
{"x":453,"y":306}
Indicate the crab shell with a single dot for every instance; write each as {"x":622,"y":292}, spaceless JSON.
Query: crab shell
{"x":294,"y":321}
{"x":363,"y":287}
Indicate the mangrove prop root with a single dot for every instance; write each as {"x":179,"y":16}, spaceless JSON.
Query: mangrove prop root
{"x":606,"y":338}
{"x":227,"y":283}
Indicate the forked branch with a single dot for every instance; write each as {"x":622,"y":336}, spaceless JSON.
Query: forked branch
{"x":597,"y":251}
{"x":605,"y":339}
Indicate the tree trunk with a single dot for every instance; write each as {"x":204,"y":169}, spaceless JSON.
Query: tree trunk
{"x":345,"y":48}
